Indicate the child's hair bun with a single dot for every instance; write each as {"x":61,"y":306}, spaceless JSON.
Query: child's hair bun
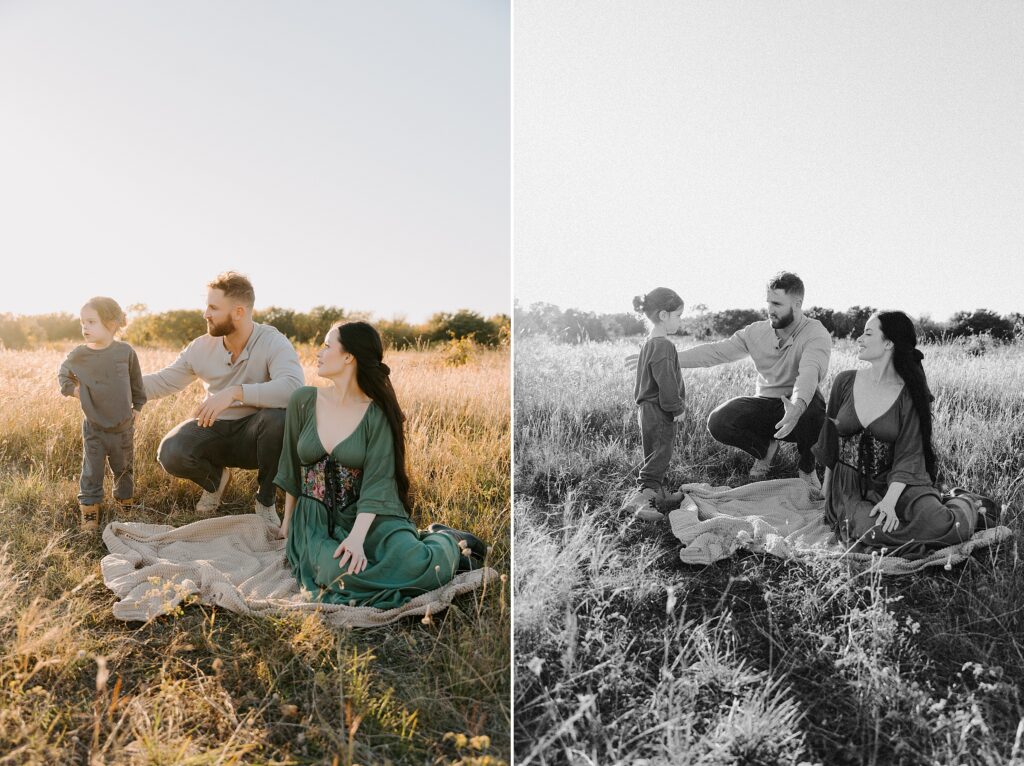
{"x":638,"y":302}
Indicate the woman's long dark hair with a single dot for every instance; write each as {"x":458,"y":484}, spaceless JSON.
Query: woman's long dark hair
{"x":373,"y":376}
{"x":906,"y":360}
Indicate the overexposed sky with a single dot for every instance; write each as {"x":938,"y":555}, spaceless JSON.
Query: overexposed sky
{"x":342,"y":153}
{"x":875,"y":148}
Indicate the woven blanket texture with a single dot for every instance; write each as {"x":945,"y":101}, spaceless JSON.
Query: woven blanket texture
{"x":239,"y":564}
{"x":781,"y":518}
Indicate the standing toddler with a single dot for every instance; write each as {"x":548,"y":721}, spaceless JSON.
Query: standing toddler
{"x":105,"y":375}
{"x":660,"y":397}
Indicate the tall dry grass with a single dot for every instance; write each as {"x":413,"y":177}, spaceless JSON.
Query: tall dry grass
{"x":206,"y":686}
{"x":625,"y":655}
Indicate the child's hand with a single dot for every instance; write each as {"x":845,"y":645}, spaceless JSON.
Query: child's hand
{"x":75,"y":392}
{"x":680,"y":417}
{"x":631,"y":362}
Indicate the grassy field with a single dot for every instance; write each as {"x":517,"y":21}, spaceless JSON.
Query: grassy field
{"x":625,"y":655}
{"x":209,"y":687}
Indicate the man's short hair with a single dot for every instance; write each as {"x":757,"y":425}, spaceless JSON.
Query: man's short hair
{"x":235,"y":286}
{"x":788,"y":282}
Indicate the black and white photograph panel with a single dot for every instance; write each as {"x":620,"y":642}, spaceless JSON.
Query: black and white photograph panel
{"x":768,"y":382}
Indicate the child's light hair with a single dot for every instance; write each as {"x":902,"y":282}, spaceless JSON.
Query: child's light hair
{"x":108,"y":311}
{"x":657,"y":300}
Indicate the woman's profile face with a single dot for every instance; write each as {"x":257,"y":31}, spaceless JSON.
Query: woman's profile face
{"x":332,"y":358}
{"x":872,"y":342}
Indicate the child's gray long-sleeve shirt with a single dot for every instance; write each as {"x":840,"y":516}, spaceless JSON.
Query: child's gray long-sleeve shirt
{"x":268,"y":370}
{"x":658,"y":377}
{"x":109,"y":382}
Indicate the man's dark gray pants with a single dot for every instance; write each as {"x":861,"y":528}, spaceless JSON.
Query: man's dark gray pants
{"x":748,"y":422}
{"x":201,"y":454}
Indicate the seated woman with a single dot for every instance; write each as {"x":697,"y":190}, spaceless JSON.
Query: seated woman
{"x":876,"y":446}
{"x":346,"y":515}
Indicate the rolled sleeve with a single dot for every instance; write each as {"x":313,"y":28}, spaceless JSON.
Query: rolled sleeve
{"x":286,"y":377}
{"x":813,"y":365}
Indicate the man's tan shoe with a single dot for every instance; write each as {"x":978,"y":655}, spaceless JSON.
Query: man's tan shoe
{"x":268,"y":513}
{"x":759,"y":470}
{"x":210,"y":501}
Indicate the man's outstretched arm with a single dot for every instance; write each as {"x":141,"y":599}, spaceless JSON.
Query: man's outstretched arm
{"x":175,"y":377}
{"x":732,"y":349}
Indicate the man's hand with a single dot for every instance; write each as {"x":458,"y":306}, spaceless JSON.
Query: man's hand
{"x":794,"y":410}
{"x":207,"y":412}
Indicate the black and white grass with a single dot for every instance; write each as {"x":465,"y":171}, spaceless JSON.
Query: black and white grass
{"x":625,"y":655}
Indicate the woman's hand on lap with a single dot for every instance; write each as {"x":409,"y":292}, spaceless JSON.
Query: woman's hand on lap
{"x":886,"y":516}
{"x":351,"y":552}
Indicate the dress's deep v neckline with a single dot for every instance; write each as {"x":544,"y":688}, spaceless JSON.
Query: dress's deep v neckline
{"x":853,"y":402}
{"x":349,"y":435}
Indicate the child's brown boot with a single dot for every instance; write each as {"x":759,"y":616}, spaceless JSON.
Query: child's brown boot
{"x":90,"y":517}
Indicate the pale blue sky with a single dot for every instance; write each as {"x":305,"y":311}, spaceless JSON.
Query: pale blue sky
{"x":876,"y":148}
{"x":345,"y":153}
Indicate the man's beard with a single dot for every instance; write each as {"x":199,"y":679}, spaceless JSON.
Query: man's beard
{"x":220,"y":330}
{"x":783,"y":321}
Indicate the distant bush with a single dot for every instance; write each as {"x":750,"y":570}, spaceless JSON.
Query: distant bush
{"x":171,"y":328}
{"x":177,"y":328}
{"x":576,"y":326}
{"x":462,"y":324}
{"x":25,"y":331}
{"x":981,"y":321}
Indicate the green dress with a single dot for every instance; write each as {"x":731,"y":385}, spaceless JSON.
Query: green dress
{"x":357,"y":477}
{"x":865,"y":460}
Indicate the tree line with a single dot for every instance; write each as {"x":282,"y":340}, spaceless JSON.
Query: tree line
{"x":576,"y":326}
{"x":177,"y":328}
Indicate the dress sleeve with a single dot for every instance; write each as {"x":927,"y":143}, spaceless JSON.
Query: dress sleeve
{"x":908,"y":465}
{"x":289,"y":466}
{"x":812,"y":368}
{"x":378,"y":493}
{"x":826,"y":451}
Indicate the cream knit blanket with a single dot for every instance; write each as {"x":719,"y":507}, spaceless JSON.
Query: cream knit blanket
{"x":238,"y":563}
{"x":780,"y":518}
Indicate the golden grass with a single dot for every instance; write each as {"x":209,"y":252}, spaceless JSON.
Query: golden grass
{"x":209,"y":687}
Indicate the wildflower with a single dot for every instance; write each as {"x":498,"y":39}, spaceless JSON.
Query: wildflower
{"x":102,"y":673}
{"x":535,"y":666}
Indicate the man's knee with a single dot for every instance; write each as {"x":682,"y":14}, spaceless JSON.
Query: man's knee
{"x":174,"y":456}
{"x":721,"y":422}
{"x":271,"y":424}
